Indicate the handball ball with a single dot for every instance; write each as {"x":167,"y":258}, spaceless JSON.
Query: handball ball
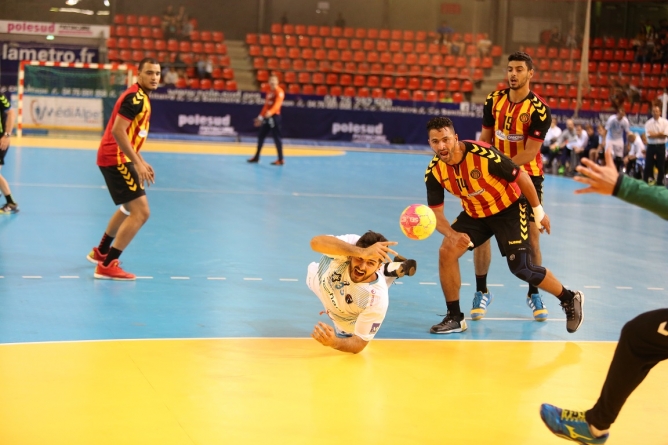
{"x":417,"y":221}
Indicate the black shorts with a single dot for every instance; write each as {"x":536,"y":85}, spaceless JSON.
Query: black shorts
{"x":510,"y":227}
{"x":538,"y":184}
{"x":123,"y":183}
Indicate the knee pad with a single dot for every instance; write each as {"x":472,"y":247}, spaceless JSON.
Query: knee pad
{"x":520,"y":265}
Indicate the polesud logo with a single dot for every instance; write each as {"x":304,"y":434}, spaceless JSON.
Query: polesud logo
{"x":361,"y":132}
{"x":208,"y":125}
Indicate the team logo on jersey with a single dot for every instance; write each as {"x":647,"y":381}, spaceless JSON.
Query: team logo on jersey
{"x":515,"y":137}
{"x":374,"y":328}
{"x":349,"y":299}
{"x":336,"y":277}
{"x":524,"y":118}
{"x":476,"y":174}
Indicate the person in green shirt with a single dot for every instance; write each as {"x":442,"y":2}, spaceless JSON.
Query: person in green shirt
{"x":643,"y":341}
{"x":7,"y":119}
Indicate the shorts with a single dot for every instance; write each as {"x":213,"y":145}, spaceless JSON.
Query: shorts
{"x":538,"y":184}
{"x":617,"y":147}
{"x":3,"y":153}
{"x":123,"y":183}
{"x":509,"y":227}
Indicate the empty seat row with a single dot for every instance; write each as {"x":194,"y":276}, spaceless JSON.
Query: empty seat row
{"x":207,"y":84}
{"x":169,"y":45}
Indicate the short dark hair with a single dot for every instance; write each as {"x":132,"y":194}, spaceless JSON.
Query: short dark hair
{"x":146,"y":60}
{"x":520,"y":56}
{"x":369,"y":239}
{"x":436,"y":123}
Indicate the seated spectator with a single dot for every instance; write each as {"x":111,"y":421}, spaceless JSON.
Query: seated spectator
{"x":599,"y":156}
{"x":570,"y":139}
{"x":186,"y":27}
{"x":484,"y":45}
{"x":572,"y":40}
{"x":444,"y":31}
{"x":634,"y":161}
{"x":555,"y":38}
{"x":171,"y":77}
{"x":592,"y":144}
{"x":578,"y":150}
{"x":200,"y":67}
{"x":551,"y":137}
{"x":457,"y":45}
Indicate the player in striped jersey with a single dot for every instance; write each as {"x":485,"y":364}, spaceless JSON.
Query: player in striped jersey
{"x":125,"y":171}
{"x":494,"y":192}
{"x":515,"y":120}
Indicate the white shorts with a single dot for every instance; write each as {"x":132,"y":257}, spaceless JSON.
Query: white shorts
{"x":617,"y":147}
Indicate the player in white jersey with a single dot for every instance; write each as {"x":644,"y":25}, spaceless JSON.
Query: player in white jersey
{"x":352,"y":283}
{"x":615,"y":127}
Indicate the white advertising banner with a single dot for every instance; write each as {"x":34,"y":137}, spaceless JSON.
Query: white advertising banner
{"x":66,"y":113}
{"x":56,"y":29}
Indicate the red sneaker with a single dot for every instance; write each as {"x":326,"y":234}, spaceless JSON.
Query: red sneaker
{"x":112,"y":272}
{"x":278,"y":162}
{"x":95,"y":256}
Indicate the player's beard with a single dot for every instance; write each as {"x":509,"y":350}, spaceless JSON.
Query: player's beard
{"x":358,"y":277}
{"x":520,"y":83}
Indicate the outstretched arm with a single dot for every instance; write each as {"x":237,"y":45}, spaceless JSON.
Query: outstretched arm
{"x":331,"y":245}
{"x":326,"y":336}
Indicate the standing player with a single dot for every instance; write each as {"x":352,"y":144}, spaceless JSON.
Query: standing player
{"x":615,"y":127}
{"x":494,"y":192}
{"x":125,"y":171}
{"x":656,"y":130}
{"x":269,"y":121}
{"x":515,"y":120}
{"x":350,"y":286}
{"x":644,"y":340}
{"x":6,"y":126}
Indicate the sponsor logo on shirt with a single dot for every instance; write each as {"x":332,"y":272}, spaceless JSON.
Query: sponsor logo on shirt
{"x":349,"y":298}
{"x":515,"y":137}
{"x":374,"y":328}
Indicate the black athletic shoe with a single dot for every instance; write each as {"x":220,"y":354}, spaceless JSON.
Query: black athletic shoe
{"x":574,"y":311}
{"x":405,"y":267}
{"x":449,"y":325}
{"x":253,"y":160}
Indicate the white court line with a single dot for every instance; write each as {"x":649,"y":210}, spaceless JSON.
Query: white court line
{"x":495,"y":285}
{"x":624,"y":287}
{"x":144,"y":278}
{"x":396,"y":282}
{"x":216,"y":278}
{"x":69,"y":276}
{"x":592,"y":287}
{"x":654,"y":288}
{"x":466,"y":284}
{"x":1,"y":276}
{"x":252,"y":279}
{"x":427,"y":283}
{"x":524,"y":285}
{"x":288,"y":279}
{"x":180,"y":278}
{"x":32,"y":277}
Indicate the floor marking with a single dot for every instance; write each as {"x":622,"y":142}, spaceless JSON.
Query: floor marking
{"x":427,"y":283}
{"x":495,"y":285}
{"x":216,"y":278}
{"x":69,"y":276}
{"x":31,"y":277}
{"x":252,"y":279}
{"x":288,"y":279}
{"x":624,"y":287}
{"x":144,"y":278}
{"x":524,"y":285}
{"x":466,"y":284}
{"x":654,"y":288}
{"x":592,"y":287}
{"x":1,"y":276}
{"x":396,"y":282}
{"x":523,"y":319}
{"x":180,"y":278}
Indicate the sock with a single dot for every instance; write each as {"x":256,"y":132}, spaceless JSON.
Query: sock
{"x":481,"y":283}
{"x":453,"y":307}
{"x":596,"y":432}
{"x":532,"y":290}
{"x":105,"y":243}
{"x":9,"y":199}
{"x":565,"y":295}
{"x":113,"y":254}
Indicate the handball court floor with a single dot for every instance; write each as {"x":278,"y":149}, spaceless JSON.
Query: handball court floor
{"x":211,"y":345}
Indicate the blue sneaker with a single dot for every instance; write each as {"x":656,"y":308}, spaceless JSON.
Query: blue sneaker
{"x":569,"y":425}
{"x":480,"y":303}
{"x":536,"y":304}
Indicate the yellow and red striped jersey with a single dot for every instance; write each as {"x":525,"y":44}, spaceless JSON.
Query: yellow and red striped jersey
{"x":484,"y":180}
{"x":513,"y":123}
{"x":134,"y":106}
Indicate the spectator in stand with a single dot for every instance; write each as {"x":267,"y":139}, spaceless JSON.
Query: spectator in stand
{"x":656,"y":130}
{"x":569,"y":139}
{"x":201,"y":67}
{"x":484,"y":45}
{"x":572,"y":40}
{"x":445,"y":32}
{"x":167,"y":20}
{"x":340,"y":21}
{"x":171,"y":77}
{"x":186,"y":26}
{"x":634,"y":161}
{"x":457,"y":45}
{"x":551,"y":137}
{"x":593,"y":143}
{"x":555,"y":38}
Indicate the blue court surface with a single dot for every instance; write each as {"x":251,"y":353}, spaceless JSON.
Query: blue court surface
{"x":225,"y":251}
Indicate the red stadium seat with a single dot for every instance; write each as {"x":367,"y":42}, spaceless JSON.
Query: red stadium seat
{"x":231,"y":85}
{"x":349,"y":91}
{"x":360,"y":33}
{"x":391,"y":93}
{"x":457,"y":97}
{"x":418,"y":96}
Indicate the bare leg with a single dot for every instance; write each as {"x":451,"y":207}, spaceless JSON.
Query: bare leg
{"x":4,"y":185}
{"x":482,"y":258}
{"x":129,"y":226}
{"x":448,"y":269}
{"x":115,"y":223}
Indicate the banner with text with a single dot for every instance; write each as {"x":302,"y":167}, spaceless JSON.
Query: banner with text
{"x":51,"y":112}
{"x":54,"y":29}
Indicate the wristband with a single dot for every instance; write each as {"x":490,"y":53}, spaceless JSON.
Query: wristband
{"x":538,"y":215}
{"x":6,"y":134}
